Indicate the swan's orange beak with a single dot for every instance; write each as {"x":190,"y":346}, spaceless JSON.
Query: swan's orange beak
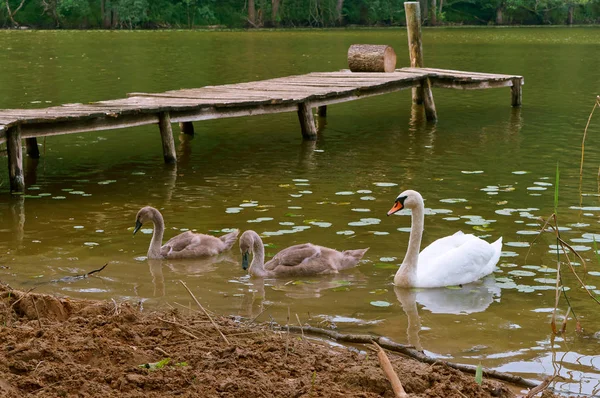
{"x":397,"y":206}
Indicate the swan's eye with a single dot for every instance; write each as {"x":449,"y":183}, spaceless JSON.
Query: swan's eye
{"x":401,"y":199}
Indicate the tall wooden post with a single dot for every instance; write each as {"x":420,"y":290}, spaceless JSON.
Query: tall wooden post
{"x":166,"y":133}
{"x":15,"y":159}
{"x":422,"y":94}
{"x":307,"y":121}
{"x":187,"y":128}
{"x":415,"y":46}
{"x":516,"y":92}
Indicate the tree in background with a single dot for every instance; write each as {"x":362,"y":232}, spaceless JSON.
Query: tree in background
{"x":11,"y":13}
{"x":134,"y":14}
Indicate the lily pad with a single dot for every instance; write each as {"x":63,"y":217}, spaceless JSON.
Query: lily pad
{"x":380,"y":303}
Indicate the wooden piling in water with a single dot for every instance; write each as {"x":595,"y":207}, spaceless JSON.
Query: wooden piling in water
{"x":307,"y":121}
{"x":15,"y":159}
{"x":166,"y":133}
{"x":32,"y":148}
{"x":516,"y":92}
{"x":322,"y":111}
{"x":186,"y":128}
{"x":422,"y":94}
{"x":430,"y":111}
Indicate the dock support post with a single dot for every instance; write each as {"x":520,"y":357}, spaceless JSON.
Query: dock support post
{"x":322,"y":111}
{"x":32,"y":148}
{"x":186,"y":128}
{"x":430,"y":112}
{"x":415,"y":46}
{"x":307,"y":121}
{"x":15,"y":159}
{"x":166,"y":133}
{"x":516,"y":92}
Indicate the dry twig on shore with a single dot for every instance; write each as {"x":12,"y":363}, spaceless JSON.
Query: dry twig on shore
{"x":386,"y":365}
{"x":205,"y":312}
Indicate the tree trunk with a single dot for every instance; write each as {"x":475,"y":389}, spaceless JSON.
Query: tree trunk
{"x":11,"y":14}
{"x":105,"y":14}
{"x":441,"y":6}
{"x":275,"y":11}
{"x":433,"y":11}
{"x":499,"y":15}
{"x":251,"y":13}
{"x":570,"y":14}
{"x":114,"y":17}
{"x":338,"y":11}
{"x":371,"y":58}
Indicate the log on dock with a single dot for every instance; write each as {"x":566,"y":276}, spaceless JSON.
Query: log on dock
{"x":371,"y":58}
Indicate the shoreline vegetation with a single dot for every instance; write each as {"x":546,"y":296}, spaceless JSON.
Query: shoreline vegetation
{"x":62,"y":346}
{"x":258,"y":14}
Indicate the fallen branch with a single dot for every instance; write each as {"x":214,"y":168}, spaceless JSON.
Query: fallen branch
{"x":411,"y":352}
{"x":77,"y":277}
{"x":205,"y":312}
{"x":386,"y":365}
{"x":541,"y":387}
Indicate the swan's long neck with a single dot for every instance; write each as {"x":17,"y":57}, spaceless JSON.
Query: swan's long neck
{"x":407,"y":273}
{"x":258,"y":257}
{"x":157,"y":235}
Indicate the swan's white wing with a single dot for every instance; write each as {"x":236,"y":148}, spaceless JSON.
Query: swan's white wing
{"x":456,"y":260}
{"x":444,"y":245}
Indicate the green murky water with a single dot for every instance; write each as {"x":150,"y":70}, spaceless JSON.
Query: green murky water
{"x":483,"y":168}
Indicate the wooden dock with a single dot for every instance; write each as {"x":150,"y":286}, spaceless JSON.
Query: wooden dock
{"x":299,"y":94}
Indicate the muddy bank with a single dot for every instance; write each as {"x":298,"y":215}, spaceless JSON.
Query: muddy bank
{"x":56,"y":347}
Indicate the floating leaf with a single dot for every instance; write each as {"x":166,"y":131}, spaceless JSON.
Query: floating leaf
{"x":380,"y":303}
{"x":385,"y":266}
{"x":378,"y":291}
{"x":341,"y":289}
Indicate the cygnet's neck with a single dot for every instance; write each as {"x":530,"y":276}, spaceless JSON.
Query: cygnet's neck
{"x":157,"y":234}
{"x":258,"y":256}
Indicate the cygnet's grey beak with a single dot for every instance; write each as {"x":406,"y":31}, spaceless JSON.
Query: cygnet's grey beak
{"x":245,"y":256}
{"x":138,"y":225}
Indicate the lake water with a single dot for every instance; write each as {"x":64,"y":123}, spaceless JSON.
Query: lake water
{"x":484,"y":168}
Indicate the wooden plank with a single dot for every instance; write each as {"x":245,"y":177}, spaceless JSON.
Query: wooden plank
{"x":466,"y":85}
{"x":466,"y":75}
{"x":79,"y":126}
{"x":461,"y":72}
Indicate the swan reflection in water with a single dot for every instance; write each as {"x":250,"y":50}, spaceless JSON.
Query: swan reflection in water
{"x":467,"y":299}
{"x":196,"y":266}
{"x":254,"y":298}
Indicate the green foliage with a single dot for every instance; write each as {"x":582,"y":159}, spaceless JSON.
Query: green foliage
{"x":134,"y":14}
{"x":479,"y":374}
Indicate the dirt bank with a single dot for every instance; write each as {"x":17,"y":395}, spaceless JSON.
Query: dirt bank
{"x":55,"y":347}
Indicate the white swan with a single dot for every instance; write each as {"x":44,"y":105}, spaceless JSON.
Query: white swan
{"x":453,"y":260}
